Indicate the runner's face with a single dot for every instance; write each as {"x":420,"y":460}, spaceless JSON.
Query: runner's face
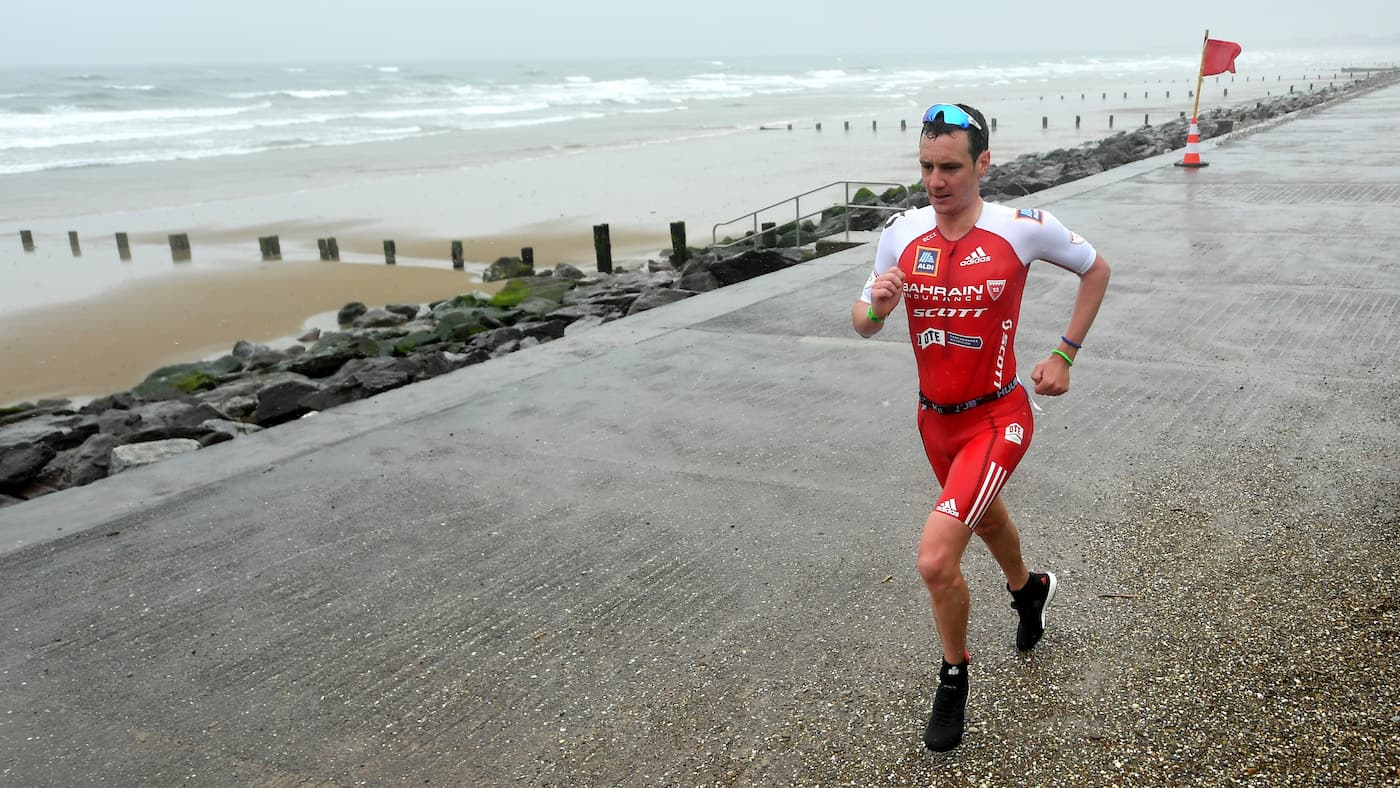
{"x":950,"y":175}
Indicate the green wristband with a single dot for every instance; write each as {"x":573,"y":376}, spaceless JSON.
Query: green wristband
{"x":1062,"y":354}
{"x":870,"y":313}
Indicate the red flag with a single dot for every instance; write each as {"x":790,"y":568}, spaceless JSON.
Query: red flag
{"x":1219,"y":57}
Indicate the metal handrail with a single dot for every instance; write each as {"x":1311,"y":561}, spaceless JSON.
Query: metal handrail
{"x":796,"y":200}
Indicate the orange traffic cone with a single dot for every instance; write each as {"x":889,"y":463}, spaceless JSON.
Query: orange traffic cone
{"x":1193,"y":148}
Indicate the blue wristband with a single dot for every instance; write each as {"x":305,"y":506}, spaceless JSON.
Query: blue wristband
{"x":1067,"y":341}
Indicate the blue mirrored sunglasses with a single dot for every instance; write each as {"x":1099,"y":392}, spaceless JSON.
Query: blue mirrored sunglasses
{"x":952,"y":114}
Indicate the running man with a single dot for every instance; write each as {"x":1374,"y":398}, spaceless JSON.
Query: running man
{"x":959,"y":265}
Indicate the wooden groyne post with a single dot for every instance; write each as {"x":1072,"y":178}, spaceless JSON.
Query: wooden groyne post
{"x":602,"y":248}
{"x":26,"y":239}
{"x":678,"y":250}
{"x":390,"y":253}
{"x":271,"y":247}
{"x":73,"y":243}
{"x":180,"y":247}
{"x":457,"y":262}
{"x":123,"y":247}
{"x":333,"y":249}
{"x":527,"y":256}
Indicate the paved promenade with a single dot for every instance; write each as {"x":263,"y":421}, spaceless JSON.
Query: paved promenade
{"x":679,"y":549}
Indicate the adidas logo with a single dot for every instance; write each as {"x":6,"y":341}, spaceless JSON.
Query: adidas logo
{"x":978,"y":255}
{"x":950,"y":508}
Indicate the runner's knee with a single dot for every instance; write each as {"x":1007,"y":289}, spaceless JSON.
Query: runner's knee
{"x":939,"y":565}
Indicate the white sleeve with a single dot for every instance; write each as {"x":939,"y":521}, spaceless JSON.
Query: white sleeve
{"x":1057,"y":244}
{"x":886,"y":257}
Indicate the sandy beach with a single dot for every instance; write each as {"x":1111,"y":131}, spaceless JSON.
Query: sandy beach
{"x":110,"y":343}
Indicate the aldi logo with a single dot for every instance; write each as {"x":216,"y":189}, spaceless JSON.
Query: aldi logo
{"x":926,"y":260}
{"x":995,"y":287}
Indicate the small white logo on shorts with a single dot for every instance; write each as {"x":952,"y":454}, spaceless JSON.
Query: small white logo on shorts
{"x":950,"y":508}
{"x":1015,"y":433}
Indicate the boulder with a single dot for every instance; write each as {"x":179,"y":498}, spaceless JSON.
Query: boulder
{"x":121,"y":401}
{"x":493,"y":340}
{"x":518,"y":291}
{"x":380,"y":318}
{"x":330,"y":352}
{"x":233,"y":429}
{"x":118,"y":423}
{"x":409,"y":311}
{"x":267,"y":359}
{"x":568,"y":271}
{"x":350,"y":312}
{"x":134,"y":454}
{"x":310,"y":336}
{"x":544,"y":330}
{"x":374,"y":375}
{"x":432,"y":363}
{"x":282,"y":402}
{"x":173,"y":415}
{"x":55,"y":431}
{"x":180,"y":379}
{"x":659,"y":296}
{"x":750,"y":264}
{"x":507,"y":268}
{"x":698,"y":282}
{"x":244,"y":350}
{"x":24,"y":461}
{"x":82,"y":465}
{"x":414,"y":341}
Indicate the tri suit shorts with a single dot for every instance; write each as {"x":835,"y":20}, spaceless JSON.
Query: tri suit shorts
{"x":974,"y":452}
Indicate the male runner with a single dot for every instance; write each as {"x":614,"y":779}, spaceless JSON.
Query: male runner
{"x":959,"y":265}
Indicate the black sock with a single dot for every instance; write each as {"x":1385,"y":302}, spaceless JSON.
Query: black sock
{"x":954,"y":673}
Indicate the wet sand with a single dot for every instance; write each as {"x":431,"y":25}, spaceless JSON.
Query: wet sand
{"x":109,"y":343}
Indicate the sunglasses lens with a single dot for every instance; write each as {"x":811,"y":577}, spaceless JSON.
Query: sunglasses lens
{"x":952,"y":115}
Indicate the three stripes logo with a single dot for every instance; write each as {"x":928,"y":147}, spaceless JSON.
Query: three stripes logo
{"x":950,"y":508}
{"x":992,"y":483}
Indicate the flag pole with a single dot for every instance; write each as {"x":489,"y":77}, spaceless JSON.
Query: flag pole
{"x":1200,"y":76}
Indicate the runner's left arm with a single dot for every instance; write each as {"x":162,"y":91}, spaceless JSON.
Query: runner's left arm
{"x":1067,"y":250}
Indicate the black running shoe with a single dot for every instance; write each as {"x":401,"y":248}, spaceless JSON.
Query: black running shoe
{"x":1030,"y":603}
{"x":945,"y":722}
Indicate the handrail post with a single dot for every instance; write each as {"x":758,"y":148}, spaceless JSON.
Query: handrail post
{"x":846,"y":214}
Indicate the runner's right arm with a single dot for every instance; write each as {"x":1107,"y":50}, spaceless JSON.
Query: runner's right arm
{"x":883,"y":290}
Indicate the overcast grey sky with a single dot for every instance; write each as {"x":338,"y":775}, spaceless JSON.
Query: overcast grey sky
{"x":113,"y":32}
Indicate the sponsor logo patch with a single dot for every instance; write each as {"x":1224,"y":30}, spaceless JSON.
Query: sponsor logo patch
{"x":1074,"y":238}
{"x":937,"y":336}
{"x":947,"y":311}
{"x":978,"y":255}
{"x":1033,"y":214}
{"x":1015,"y":433}
{"x":995,"y":287}
{"x":926,"y":260}
{"x":869,"y":283}
{"x":950,"y":508}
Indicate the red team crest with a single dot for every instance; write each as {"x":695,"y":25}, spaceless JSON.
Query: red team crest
{"x":995,"y":287}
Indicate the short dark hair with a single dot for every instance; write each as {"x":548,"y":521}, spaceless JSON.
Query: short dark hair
{"x":977,"y":140}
